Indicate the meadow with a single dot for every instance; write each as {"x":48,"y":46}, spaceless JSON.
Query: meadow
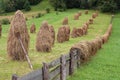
{"x":105,"y":64}
{"x":9,"y":67}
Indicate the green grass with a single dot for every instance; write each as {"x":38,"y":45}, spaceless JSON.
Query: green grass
{"x":105,"y":64}
{"x":9,"y":67}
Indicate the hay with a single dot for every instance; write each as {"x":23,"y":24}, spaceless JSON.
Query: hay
{"x":79,"y":13}
{"x":91,"y":21}
{"x":14,"y":49}
{"x":67,"y":32}
{"x":44,"y":40}
{"x":52,"y":31}
{"x":94,"y":15}
{"x":86,"y":11}
{"x":33,"y":28}
{"x":74,"y":33}
{"x":81,"y":48}
{"x":63,"y":34}
{"x":65,"y":21}
{"x":0,"y":30}
{"x":76,"y":16}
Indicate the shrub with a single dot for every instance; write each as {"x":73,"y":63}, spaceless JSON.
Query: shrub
{"x":108,"y":6}
{"x":48,"y":10}
{"x":5,"y":21}
{"x":34,"y":2}
{"x":27,"y":6}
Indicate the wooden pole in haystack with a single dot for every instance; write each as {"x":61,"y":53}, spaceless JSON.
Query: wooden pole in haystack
{"x":18,"y":39}
{"x":17,"y":34}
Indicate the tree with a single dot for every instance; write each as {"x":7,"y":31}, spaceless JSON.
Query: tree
{"x":27,"y":6}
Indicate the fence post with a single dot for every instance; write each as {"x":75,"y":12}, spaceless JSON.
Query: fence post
{"x":14,"y":77}
{"x":71,"y":67}
{"x":63,"y":68}
{"x":78,"y":59}
{"x":45,"y":71}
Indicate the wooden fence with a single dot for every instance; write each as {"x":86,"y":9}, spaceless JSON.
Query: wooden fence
{"x":58,"y":69}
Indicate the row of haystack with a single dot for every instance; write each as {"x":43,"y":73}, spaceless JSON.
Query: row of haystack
{"x":78,"y":32}
{"x":86,"y":49}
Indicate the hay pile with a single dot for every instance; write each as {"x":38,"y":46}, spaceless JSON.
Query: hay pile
{"x":86,"y":49}
{"x":78,"y":32}
{"x":86,"y":11}
{"x":76,"y":16}
{"x":94,"y":15}
{"x":63,"y":34}
{"x":44,"y":39}
{"x":105,"y":37}
{"x":18,"y":25}
{"x":91,"y":21}
{"x":0,"y":30}
{"x":33,"y":28}
{"x":79,"y":13}
{"x":65,"y":21}
{"x":52,"y":31}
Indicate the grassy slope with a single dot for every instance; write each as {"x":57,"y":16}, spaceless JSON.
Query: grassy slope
{"x":105,"y":64}
{"x":8,"y":67}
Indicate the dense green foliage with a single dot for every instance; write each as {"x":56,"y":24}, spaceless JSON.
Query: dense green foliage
{"x":103,"y":5}
{"x":13,"y":5}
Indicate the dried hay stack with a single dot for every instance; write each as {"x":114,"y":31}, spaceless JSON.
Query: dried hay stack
{"x":81,"y":48}
{"x":76,"y":16}
{"x":14,"y":49}
{"x":86,"y":12}
{"x":33,"y":28}
{"x":79,"y":13}
{"x":91,"y":21}
{"x":67,"y":32}
{"x":44,"y":40}
{"x":94,"y":15}
{"x":0,"y":30}
{"x":74,"y":33}
{"x":63,"y":34}
{"x":52,"y":31}
{"x":65,"y":21}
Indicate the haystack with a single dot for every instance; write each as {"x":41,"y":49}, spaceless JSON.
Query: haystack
{"x":74,"y":33}
{"x":44,"y":40}
{"x":82,"y":49}
{"x":52,"y":31}
{"x":65,"y":21}
{"x":94,"y":15}
{"x":0,"y":30}
{"x":91,"y":21}
{"x":76,"y":16}
{"x":14,"y":49}
{"x":63,"y":34}
{"x":67,"y":32}
{"x":33,"y":28}
{"x":79,"y":32}
{"x":86,"y":11}
{"x":79,"y":13}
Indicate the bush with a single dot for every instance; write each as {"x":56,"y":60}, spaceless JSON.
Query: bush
{"x":5,"y":21}
{"x":34,"y":2}
{"x":108,"y":6}
{"x":27,"y":6}
{"x":48,"y":10}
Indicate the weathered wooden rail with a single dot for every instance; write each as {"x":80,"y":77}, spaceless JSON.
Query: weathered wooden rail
{"x":58,"y":69}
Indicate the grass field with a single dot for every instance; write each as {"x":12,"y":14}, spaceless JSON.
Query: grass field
{"x":105,"y":64}
{"x":8,"y":67}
